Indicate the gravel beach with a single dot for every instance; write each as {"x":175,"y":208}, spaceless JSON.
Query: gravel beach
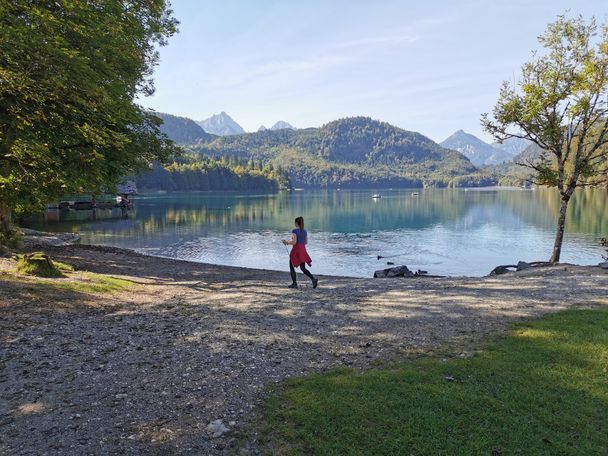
{"x":147,"y":370}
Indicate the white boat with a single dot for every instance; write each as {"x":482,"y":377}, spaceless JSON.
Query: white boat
{"x":376,"y":196}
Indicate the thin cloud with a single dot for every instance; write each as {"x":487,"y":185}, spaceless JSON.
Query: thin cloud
{"x":378,"y":40}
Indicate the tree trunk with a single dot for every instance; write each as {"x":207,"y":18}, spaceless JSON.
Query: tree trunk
{"x":5,"y":215}
{"x":559,"y":236}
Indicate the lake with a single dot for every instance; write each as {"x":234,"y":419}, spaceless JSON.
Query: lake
{"x":442,"y":231}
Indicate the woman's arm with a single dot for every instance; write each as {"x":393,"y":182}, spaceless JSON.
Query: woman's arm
{"x":291,"y":241}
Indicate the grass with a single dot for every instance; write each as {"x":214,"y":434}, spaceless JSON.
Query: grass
{"x":68,"y":280}
{"x":40,"y":265}
{"x":542,"y":390}
{"x":94,"y":283}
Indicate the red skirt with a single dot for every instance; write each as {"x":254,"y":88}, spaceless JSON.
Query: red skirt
{"x":299,"y":255}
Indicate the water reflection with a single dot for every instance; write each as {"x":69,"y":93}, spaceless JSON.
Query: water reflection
{"x":448,"y":231}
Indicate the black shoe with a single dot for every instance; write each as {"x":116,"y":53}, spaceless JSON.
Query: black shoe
{"x":293,"y":285}
{"x":315,"y":282}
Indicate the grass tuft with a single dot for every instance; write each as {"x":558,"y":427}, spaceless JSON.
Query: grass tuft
{"x":38,"y":264}
{"x":542,"y":390}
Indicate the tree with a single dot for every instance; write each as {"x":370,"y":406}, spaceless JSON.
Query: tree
{"x":70,"y":71}
{"x":560,"y":103}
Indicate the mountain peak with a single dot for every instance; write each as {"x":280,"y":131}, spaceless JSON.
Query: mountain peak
{"x":182,"y":130}
{"x":479,"y":151}
{"x":281,"y":125}
{"x":221,"y":124}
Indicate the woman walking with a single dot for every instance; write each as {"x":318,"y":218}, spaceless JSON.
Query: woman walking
{"x":299,"y":258}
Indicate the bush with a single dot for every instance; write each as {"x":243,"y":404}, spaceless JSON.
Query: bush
{"x":10,"y":236}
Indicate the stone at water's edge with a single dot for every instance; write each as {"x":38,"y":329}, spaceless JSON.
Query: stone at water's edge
{"x":603,"y":265}
{"x":523,"y":265}
{"x":399,"y":271}
{"x":498,"y":270}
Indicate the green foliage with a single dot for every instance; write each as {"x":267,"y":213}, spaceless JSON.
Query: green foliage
{"x":69,"y":72}
{"x":40,"y":265}
{"x":560,"y":104}
{"x":193,"y":172}
{"x":349,"y":152}
{"x":10,"y":236}
{"x":541,"y":391}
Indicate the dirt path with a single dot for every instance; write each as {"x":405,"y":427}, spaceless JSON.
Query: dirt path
{"x":144,"y":372}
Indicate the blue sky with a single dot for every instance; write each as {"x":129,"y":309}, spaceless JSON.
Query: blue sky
{"x":427,"y":66}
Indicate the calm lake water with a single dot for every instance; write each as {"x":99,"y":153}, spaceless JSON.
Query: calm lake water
{"x":443,"y":231}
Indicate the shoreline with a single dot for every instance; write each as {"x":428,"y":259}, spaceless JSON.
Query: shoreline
{"x":34,"y":239}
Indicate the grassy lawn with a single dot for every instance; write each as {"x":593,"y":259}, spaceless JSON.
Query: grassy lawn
{"x":542,"y":390}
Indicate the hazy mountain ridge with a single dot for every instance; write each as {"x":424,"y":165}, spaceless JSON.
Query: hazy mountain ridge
{"x":281,"y":125}
{"x":182,"y":130}
{"x":221,"y":124}
{"x":481,"y":153}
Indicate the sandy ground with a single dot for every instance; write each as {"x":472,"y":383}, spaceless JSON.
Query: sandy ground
{"x":146,"y":371}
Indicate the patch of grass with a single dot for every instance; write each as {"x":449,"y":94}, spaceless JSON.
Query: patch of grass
{"x":38,"y":264}
{"x":69,"y":281}
{"x":94,"y":283}
{"x":542,"y":390}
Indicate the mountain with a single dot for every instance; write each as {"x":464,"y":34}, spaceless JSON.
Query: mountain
{"x":512,"y":173}
{"x":262,"y":128}
{"x":512,"y":146}
{"x":182,"y":130}
{"x":221,"y":124}
{"x":281,"y":125}
{"x":479,"y":152}
{"x":356,"y":151}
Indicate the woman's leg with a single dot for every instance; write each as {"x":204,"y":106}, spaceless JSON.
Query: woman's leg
{"x":306,"y":271}
{"x":292,"y":271}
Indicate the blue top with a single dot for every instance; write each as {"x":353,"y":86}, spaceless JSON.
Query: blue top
{"x":300,"y":237}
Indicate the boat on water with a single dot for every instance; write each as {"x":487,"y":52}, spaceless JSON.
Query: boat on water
{"x":376,"y":196}
{"x":415,"y":194}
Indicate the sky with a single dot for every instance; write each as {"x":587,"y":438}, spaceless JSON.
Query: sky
{"x":428,"y":66}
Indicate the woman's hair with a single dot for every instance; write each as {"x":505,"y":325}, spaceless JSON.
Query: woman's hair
{"x":300,"y":222}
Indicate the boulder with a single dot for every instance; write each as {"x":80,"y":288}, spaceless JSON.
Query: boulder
{"x":498,"y":270}
{"x":603,"y":265}
{"x":398,"y":271}
{"x":522,"y":265}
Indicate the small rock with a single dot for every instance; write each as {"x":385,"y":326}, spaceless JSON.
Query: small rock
{"x":603,"y":265}
{"x":521,"y":265}
{"x":216,"y":428}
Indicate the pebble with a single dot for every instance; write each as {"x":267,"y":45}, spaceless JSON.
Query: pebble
{"x":216,"y":428}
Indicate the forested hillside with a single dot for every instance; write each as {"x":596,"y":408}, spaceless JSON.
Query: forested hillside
{"x":205,"y":173}
{"x":182,"y":130}
{"x":356,"y":151}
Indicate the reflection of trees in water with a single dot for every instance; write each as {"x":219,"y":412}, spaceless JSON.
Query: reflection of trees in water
{"x":355,"y":211}
{"x":587,"y":212}
{"x":326,"y":211}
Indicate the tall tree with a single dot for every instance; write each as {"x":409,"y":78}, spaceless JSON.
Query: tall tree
{"x":70,"y":72}
{"x":561,"y":104}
